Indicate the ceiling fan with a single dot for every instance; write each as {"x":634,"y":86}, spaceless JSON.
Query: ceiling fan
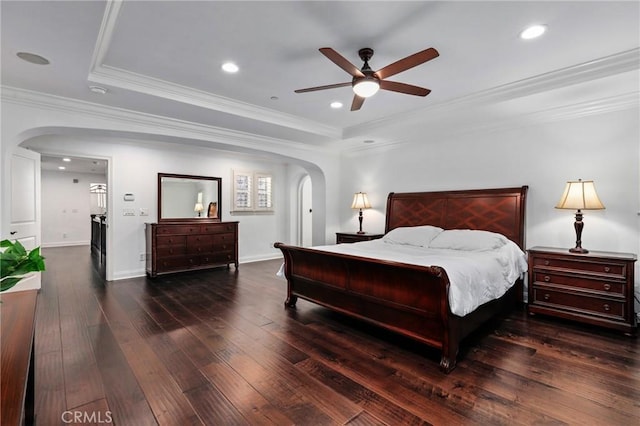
{"x":367,"y":82}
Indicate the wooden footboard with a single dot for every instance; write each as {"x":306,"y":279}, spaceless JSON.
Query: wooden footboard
{"x":407,"y":299}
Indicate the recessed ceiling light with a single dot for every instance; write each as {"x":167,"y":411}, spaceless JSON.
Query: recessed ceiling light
{"x":33,"y":58}
{"x":274,"y":98}
{"x":336,"y":105}
{"x":369,"y":141}
{"x":98,"y":89}
{"x":66,"y":160}
{"x":533,"y":31}
{"x":230,"y":67}
{"x":61,"y":167}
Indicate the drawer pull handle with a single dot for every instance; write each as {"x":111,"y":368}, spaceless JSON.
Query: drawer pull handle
{"x":547,"y":278}
{"x":547,"y":297}
{"x":546,"y":263}
{"x":607,"y":286}
{"x":607,"y":269}
{"x":607,"y":307}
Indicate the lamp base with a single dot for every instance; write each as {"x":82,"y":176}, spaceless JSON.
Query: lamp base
{"x":360,"y":232}
{"x":578,"y":250}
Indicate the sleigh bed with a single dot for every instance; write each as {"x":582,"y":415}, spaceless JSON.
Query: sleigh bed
{"x":409,"y":299}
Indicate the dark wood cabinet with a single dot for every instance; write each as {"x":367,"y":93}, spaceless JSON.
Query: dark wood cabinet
{"x":189,"y":245}
{"x":594,"y":288}
{"x":354,"y":237}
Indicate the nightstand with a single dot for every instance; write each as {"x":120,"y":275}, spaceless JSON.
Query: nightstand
{"x":354,"y":237}
{"x":594,"y":288}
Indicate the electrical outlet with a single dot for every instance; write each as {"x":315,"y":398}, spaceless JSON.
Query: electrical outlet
{"x":128,"y":212}
{"x":142,"y":257}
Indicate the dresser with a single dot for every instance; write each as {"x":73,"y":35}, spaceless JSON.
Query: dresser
{"x":354,"y":237}
{"x":594,"y":288}
{"x":189,"y":245}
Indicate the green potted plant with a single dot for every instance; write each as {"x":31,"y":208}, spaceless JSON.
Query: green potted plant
{"x":16,"y":263}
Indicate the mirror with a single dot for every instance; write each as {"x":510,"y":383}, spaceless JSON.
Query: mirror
{"x":189,"y":197}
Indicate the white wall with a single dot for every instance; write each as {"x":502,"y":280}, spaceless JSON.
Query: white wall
{"x":133,"y":169}
{"x":544,"y":155}
{"x":66,"y":207}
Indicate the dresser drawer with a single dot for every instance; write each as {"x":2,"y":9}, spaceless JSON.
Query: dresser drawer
{"x":171,"y":250}
{"x":218,"y":228}
{"x":177,"y":262}
{"x":178,"y":229}
{"x":609,"y":268}
{"x":171,"y":240}
{"x":613,"y":288}
{"x":226,"y":238}
{"x":549,"y":297}
{"x":216,"y":258}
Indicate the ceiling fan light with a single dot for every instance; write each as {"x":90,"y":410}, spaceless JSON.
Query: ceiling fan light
{"x":366,"y":87}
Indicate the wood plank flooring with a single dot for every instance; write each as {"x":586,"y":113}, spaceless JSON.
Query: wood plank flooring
{"x":219,"y":348}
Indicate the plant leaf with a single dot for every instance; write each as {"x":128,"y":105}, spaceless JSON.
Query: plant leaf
{"x":7,"y":283}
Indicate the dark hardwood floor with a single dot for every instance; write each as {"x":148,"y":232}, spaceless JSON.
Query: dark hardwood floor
{"x":219,"y":348}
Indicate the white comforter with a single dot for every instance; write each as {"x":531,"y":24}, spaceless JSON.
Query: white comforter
{"x":476,"y":277}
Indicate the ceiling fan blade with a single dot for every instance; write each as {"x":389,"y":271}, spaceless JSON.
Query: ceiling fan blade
{"x":357,"y":103}
{"x":340,"y":61}
{"x":404,"y":88}
{"x":406,"y":63}
{"x":328,"y":86}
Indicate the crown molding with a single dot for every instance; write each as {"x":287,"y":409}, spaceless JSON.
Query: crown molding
{"x":107,"y":75}
{"x":626,"y":101}
{"x":157,"y":125}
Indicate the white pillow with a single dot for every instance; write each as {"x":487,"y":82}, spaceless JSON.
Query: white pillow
{"x":468,"y":239}
{"x":419,"y":236}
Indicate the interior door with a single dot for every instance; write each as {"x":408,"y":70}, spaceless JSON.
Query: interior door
{"x":25,"y":206}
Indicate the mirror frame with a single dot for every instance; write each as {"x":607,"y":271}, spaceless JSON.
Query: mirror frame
{"x":180,"y":176}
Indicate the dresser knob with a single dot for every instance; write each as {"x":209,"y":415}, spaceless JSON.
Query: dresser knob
{"x":607,"y":269}
{"x":546,"y":263}
{"x":547,"y":297}
{"x":607,"y":307}
{"x":607,"y":286}
{"x":547,"y":278}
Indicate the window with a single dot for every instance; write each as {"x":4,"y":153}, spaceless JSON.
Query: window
{"x":99,"y":194}
{"x":252,"y":192}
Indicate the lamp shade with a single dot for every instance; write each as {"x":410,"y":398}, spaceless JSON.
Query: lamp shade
{"x":580,"y":195}
{"x":366,"y":87}
{"x":198,"y":207}
{"x":360,"y":201}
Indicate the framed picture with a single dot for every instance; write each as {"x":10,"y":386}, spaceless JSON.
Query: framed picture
{"x":212,"y":211}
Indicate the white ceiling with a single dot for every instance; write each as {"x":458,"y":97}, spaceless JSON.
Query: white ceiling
{"x":163,"y":58}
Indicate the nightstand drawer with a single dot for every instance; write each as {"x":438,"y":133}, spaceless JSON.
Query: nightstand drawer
{"x":612,"y":269}
{"x":616,"y":289}
{"x":548,"y":297}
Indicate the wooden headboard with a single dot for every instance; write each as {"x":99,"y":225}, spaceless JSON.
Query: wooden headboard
{"x":497,"y":210}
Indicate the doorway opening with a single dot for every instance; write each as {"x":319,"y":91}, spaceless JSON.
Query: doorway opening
{"x":305,"y":232}
{"x":74,"y":204}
